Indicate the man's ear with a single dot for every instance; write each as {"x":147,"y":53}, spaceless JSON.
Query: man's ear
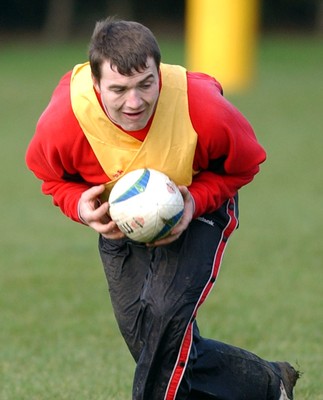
{"x":96,"y":84}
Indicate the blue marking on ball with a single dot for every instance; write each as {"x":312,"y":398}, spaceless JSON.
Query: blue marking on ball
{"x":169,"y":225}
{"x":138,"y":187}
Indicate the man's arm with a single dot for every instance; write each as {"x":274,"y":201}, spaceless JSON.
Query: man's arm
{"x":228,"y":154}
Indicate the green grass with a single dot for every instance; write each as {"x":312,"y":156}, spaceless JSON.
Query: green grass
{"x":58,"y":336}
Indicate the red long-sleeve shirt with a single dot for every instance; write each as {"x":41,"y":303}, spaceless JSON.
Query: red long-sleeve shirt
{"x":227,"y":152}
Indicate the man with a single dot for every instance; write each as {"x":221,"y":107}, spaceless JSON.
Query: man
{"x":125,"y":110}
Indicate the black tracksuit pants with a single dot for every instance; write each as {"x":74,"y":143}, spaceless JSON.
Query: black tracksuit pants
{"x":156,"y":292}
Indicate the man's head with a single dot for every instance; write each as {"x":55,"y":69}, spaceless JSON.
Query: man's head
{"x":125,"y":44}
{"x":125,"y":59}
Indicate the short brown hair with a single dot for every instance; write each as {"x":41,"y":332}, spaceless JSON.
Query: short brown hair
{"x":126,"y":44}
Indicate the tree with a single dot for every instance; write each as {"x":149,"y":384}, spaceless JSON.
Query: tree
{"x":59,"y":19}
{"x":319,"y":17}
{"x":121,"y":9}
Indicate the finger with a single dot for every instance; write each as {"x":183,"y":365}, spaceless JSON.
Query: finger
{"x":110,"y":231}
{"x":93,"y":193}
{"x":104,"y":228}
{"x":184,"y":191}
{"x":101,"y":212}
{"x":183,"y":222}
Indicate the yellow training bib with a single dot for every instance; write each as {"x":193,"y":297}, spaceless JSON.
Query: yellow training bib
{"x":170,"y":144}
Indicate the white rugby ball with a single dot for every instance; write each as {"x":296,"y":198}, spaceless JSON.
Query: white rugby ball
{"x":146,"y":205}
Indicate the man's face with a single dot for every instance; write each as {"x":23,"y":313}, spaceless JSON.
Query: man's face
{"x":129,"y":100}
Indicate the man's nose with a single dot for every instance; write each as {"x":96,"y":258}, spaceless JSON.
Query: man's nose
{"x":134,"y":100}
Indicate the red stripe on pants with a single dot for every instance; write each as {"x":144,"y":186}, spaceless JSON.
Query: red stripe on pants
{"x":185,"y":348}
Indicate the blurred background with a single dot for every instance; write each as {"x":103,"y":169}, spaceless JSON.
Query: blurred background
{"x":58,"y":336}
{"x":215,"y":33}
{"x":61,"y":20}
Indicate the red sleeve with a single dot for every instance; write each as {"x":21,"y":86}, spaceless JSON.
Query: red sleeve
{"x":60,"y":155}
{"x":228,"y":154}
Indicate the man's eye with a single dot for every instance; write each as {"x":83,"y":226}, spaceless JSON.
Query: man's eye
{"x":145,"y":85}
{"x":118,"y":90}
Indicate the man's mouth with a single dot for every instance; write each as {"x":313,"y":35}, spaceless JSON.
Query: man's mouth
{"x":133,"y":114}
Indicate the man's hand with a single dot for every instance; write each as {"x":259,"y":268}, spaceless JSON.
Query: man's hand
{"x":183,"y":223}
{"x":95,"y":215}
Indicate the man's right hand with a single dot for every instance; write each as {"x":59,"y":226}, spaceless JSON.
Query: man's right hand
{"x":95,"y":215}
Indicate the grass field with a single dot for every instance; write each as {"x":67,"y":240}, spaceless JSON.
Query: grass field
{"x":58,"y":336}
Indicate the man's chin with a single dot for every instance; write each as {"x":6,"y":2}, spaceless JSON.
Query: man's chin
{"x":133,"y":126}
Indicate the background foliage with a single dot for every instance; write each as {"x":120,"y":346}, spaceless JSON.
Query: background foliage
{"x":76,"y":16}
